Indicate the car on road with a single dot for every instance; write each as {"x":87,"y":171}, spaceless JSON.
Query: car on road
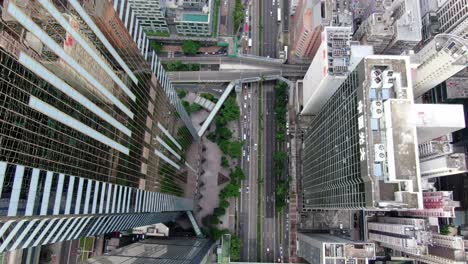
{"x":247,"y":189}
{"x":249,"y":95}
{"x":245,"y":136}
{"x":245,"y":96}
{"x":255,"y":146}
{"x":248,"y":157}
{"x":268,"y":249}
{"x":243,"y":153}
{"x":245,"y":105}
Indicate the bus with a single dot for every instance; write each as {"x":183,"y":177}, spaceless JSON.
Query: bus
{"x":279,"y":14}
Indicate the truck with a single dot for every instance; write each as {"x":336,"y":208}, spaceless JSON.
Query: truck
{"x":279,"y":14}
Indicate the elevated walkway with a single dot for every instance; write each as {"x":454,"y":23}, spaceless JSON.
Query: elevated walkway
{"x":228,"y":90}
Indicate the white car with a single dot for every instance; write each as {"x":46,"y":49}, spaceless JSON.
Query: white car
{"x":255,"y":146}
{"x":243,"y":153}
{"x":268,"y":249}
{"x":245,"y":105}
{"x":247,"y":189}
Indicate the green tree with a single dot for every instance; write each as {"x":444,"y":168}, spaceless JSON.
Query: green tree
{"x":181,"y":93}
{"x":219,"y":211}
{"x":220,"y":121}
{"x":237,"y":174}
{"x":186,"y":106}
{"x":236,"y":245}
{"x":230,"y":190}
{"x":209,"y":96}
{"x":195,"y":107}
{"x":224,"y":162}
{"x":190,"y":47}
{"x":445,"y":230}
{"x":212,"y":136}
{"x":235,"y":149}
{"x":223,"y":133}
{"x":230,"y":110}
{"x":157,"y":47}
{"x":224,"y":203}
{"x":280,"y":136}
{"x":280,"y":156}
{"x":238,"y":14}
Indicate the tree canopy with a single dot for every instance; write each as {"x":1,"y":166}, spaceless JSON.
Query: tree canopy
{"x":190,"y":47}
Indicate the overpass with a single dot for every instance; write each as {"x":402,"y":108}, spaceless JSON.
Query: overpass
{"x":228,"y":90}
{"x":244,"y":60}
{"x":228,"y":76}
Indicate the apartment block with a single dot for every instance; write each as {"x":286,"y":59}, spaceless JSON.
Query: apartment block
{"x":183,"y":17}
{"x":436,"y":204}
{"x":412,"y":237}
{"x":391,"y":26}
{"x":453,"y":17}
{"x":336,"y":57}
{"x":326,"y":248}
{"x":307,"y":28}
{"x":440,"y":59}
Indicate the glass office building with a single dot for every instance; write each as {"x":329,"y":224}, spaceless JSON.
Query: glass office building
{"x":359,"y":150}
{"x":92,"y":135}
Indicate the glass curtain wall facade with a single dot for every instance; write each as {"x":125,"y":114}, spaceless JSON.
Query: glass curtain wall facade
{"x":91,"y":129}
{"x":359,"y":150}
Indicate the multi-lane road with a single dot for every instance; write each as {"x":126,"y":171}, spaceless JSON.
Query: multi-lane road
{"x":249,"y":195}
{"x":270,"y":28}
{"x":269,"y":223}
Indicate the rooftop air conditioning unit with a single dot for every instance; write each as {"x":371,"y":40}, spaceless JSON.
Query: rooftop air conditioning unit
{"x":379,"y":153}
{"x":376,"y":109}
{"x":376,"y":79}
{"x":387,"y":78}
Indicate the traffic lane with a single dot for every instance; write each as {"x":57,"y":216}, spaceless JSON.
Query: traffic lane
{"x":244,"y":195}
{"x":285,"y":11}
{"x":254,"y":171}
{"x":250,"y":195}
{"x":270,"y":24}
{"x":269,"y":204}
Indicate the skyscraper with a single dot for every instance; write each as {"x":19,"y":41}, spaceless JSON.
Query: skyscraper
{"x":92,"y":133}
{"x":352,"y":154}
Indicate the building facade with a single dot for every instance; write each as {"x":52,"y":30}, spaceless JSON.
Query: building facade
{"x":351,"y":159}
{"x":413,"y":237}
{"x":392,"y":27}
{"x":326,"y":248}
{"x":453,"y":17}
{"x":160,"y":18}
{"x":154,"y":250}
{"x":93,"y":134}
{"x":307,"y":29}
